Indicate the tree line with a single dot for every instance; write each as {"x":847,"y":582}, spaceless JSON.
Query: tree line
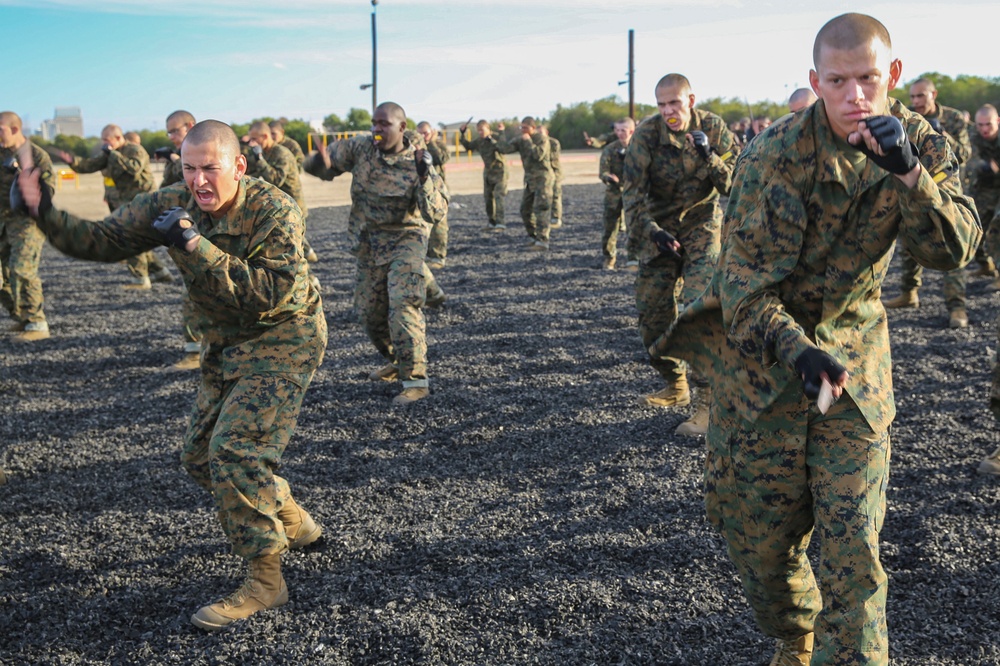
{"x":568,"y":123}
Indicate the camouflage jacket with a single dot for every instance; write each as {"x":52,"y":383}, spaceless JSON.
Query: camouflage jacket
{"x":555,"y":152}
{"x":173,"y":171}
{"x":277,"y":166}
{"x":294,"y":148}
{"x":493,"y":160}
{"x":980,"y":172}
{"x":535,"y":157}
{"x":613,"y":164}
{"x":955,"y":129}
{"x":247,"y":275}
{"x":391,"y":210}
{"x":806,"y":245}
{"x":128,"y":167}
{"x":440,"y":153}
{"x":41,"y":160}
{"x":665,"y":177}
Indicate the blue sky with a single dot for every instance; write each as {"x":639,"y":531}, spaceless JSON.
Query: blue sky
{"x":134,"y":61}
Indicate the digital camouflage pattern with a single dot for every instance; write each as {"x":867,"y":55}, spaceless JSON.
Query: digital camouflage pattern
{"x":536,"y":202}
{"x":249,"y":278}
{"x":956,"y":131}
{"x":21,"y":243}
{"x":494,"y":175}
{"x":985,"y":189}
{"x":173,"y":171}
{"x":613,"y":164}
{"x":276,"y":165}
{"x":292,"y":146}
{"x":391,"y":211}
{"x":555,"y":157}
{"x":128,"y":167}
{"x":437,"y":242}
{"x":669,"y":186}
{"x":808,"y":238}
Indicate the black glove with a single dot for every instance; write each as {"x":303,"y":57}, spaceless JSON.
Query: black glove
{"x":257,"y":151}
{"x":701,"y":143}
{"x":10,"y":165}
{"x":163,"y":153}
{"x":424,"y":162}
{"x":935,"y":125}
{"x":106,"y":149}
{"x":900,"y":154}
{"x":664,"y":243}
{"x":17,"y":201}
{"x":176,"y":226}
{"x":811,"y":364}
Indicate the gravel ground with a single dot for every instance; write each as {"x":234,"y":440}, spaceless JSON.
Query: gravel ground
{"x":528,"y":512}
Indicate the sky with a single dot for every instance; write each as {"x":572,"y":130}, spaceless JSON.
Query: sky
{"x":132,"y":62}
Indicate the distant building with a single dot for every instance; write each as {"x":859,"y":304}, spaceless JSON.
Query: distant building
{"x":67,"y":121}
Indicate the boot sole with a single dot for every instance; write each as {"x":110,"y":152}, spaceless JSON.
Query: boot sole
{"x":207,"y":625}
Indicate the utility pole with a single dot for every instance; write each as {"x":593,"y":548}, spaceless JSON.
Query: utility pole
{"x":631,"y":74}
{"x":374,"y":60}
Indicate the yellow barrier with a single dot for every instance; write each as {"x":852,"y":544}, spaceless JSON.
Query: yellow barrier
{"x":67,"y":174}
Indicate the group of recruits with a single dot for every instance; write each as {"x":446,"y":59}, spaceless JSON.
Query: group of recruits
{"x":782,"y":325}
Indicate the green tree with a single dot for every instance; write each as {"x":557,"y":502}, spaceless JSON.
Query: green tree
{"x":358,"y":119}
{"x":333,"y":123}
{"x":964,"y":92}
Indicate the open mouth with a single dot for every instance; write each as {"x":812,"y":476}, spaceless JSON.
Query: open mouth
{"x":204,"y":197}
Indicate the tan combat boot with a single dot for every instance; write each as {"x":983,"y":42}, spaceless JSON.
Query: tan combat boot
{"x":675,"y":395}
{"x":264,"y":588}
{"x":794,"y":653}
{"x":958,"y":318}
{"x":907,"y":299}
{"x":3,"y":476}
{"x":411,"y":395}
{"x":991,"y":464}
{"x":33,"y":332}
{"x":387,"y":373}
{"x":300,"y":529}
{"x":189,"y":362}
{"x":697,"y":425}
{"x":609,"y":264}
{"x":140,"y":283}
{"x":986,"y":269}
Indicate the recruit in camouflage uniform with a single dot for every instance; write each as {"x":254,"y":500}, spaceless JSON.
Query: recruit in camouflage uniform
{"x":952,"y":125}
{"x":984,"y":175}
{"x":392,"y":209}
{"x":807,"y":242}
{"x":494,"y":172}
{"x":536,"y":201}
{"x":437,"y":242}
{"x":555,"y":158}
{"x":611,"y":172}
{"x":672,"y":188}
{"x":247,"y":275}
{"x":126,"y":171}
{"x":21,"y":240}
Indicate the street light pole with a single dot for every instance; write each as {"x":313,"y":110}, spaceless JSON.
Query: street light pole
{"x":374,"y":60}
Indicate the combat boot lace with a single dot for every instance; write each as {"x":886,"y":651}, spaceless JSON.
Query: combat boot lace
{"x":387,"y":373}
{"x":907,"y":299}
{"x":991,"y":464}
{"x":300,"y":529}
{"x":697,"y":425}
{"x":794,"y":653}
{"x":263,"y":589}
{"x":675,"y":395}
{"x":411,"y":395}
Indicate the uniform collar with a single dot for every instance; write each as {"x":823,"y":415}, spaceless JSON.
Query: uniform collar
{"x":833,"y":165}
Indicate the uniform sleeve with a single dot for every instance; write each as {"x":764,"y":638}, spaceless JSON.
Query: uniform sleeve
{"x":723,"y":159}
{"x":260,"y":283}
{"x":48,"y":176}
{"x":604,"y":169}
{"x":89,"y":164}
{"x":958,"y":140}
{"x":443,"y":154}
{"x":276,"y":171}
{"x":939,"y":225}
{"x":468,"y":145}
{"x":505,"y":146}
{"x":638,"y":159}
{"x":124,"y":233}
{"x":296,"y":150}
{"x":130,"y":159}
{"x":432,"y":198}
{"x":761,"y":249}
{"x":342,"y":161}
{"x":540,"y":148}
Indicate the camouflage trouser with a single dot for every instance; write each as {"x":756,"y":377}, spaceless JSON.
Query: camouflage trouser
{"x":987,"y":201}
{"x":235,"y":439}
{"x":768,"y":484}
{"x":662,"y":284}
{"x":954,"y":281}
{"x":536,"y":207}
{"x":613,"y":219}
{"x":557,"y":207}
{"x":143,"y":265}
{"x":494,"y":191}
{"x":21,"y":244}
{"x":437,"y":243}
{"x":389,"y":299}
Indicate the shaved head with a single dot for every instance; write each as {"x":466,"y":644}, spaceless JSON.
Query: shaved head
{"x":393,"y":111}
{"x":213,"y":131}
{"x":626,"y":122}
{"x":849,"y":31}
{"x":180,"y":117}
{"x":926,"y":83}
{"x":800,"y":99}
{"x":111,"y":130}
{"x":678,"y":81}
{"x":10,"y":119}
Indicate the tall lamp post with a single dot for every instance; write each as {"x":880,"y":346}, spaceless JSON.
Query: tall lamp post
{"x":374,"y":60}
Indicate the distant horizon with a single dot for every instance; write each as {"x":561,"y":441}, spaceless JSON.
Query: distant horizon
{"x":442,"y":60}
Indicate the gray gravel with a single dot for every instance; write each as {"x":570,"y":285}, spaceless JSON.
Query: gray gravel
{"x":528,"y":512}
